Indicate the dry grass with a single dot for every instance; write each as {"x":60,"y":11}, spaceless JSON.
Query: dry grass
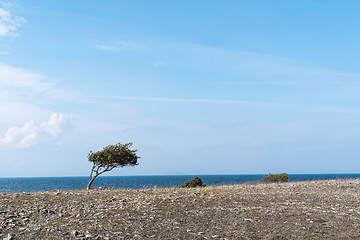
{"x":301,"y":210}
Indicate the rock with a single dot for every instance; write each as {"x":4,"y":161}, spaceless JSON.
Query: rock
{"x":88,"y":234}
{"x":9,"y":237}
{"x":75,"y":233}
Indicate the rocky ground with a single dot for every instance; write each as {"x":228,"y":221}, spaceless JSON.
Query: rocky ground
{"x":300,"y":210}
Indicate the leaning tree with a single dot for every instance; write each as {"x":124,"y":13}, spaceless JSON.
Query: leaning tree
{"x":112,"y":156}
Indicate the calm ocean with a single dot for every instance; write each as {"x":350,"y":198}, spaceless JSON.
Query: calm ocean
{"x":72,"y":183}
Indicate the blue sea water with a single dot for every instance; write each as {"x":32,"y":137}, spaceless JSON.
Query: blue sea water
{"x":36,"y":184}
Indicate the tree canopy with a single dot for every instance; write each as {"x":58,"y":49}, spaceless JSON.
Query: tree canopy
{"x":112,"y":156}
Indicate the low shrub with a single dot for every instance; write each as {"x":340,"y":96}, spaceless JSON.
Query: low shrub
{"x":196,"y":182}
{"x":279,"y":177}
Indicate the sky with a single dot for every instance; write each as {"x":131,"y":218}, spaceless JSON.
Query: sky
{"x":199,"y":87}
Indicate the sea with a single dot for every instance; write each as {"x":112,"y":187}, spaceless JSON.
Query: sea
{"x":36,"y":184}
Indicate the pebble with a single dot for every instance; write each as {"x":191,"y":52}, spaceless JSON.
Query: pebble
{"x":34,"y":218}
{"x":9,"y":237}
{"x":88,"y":234}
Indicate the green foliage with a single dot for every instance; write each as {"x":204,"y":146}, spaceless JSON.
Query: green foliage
{"x":112,"y":156}
{"x":279,"y":177}
{"x":196,"y":182}
{"x":118,"y":155}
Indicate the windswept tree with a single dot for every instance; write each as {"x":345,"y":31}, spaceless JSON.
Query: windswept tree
{"x":112,"y":156}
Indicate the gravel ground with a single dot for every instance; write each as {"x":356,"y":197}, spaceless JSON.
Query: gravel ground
{"x":295,"y":210}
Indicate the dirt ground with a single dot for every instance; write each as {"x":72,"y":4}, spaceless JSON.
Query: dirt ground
{"x":295,"y":210}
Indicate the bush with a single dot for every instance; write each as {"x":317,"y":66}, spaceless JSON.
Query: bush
{"x":279,"y":177}
{"x":196,"y":182}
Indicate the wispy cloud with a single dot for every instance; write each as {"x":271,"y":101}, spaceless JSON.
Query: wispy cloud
{"x":32,"y":133}
{"x":22,"y":83}
{"x":8,"y":23}
{"x":334,"y":109}
{"x":310,"y":108}
{"x":121,"y":46}
{"x":20,"y":78}
{"x":159,"y":64}
{"x":241,"y":67}
{"x":188,"y":100}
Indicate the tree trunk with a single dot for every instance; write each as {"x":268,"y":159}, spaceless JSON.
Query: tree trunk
{"x":97,"y":173}
{"x":91,"y":180}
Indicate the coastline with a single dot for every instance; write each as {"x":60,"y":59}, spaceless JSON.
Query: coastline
{"x":321,"y":209}
{"x":37,"y":184}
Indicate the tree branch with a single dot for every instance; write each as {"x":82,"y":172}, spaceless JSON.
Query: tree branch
{"x":105,"y":170}
{"x":92,"y":170}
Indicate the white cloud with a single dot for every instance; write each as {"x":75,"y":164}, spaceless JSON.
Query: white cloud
{"x":9,"y":23}
{"x":25,"y":95}
{"x":15,"y":133}
{"x":32,"y":133}
{"x":54,"y":126}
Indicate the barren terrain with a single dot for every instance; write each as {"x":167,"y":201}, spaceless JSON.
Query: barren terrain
{"x":294,"y":210}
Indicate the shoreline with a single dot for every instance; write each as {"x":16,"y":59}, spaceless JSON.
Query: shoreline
{"x":320,"y":209}
{"x":139,"y":182}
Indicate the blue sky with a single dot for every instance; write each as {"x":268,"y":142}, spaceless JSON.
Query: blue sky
{"x":199,"y":87}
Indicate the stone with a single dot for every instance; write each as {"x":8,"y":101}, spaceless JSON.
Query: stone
{"x":75,"y":233}
{"x":9,"y":237}
{"x":88,"y":234}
